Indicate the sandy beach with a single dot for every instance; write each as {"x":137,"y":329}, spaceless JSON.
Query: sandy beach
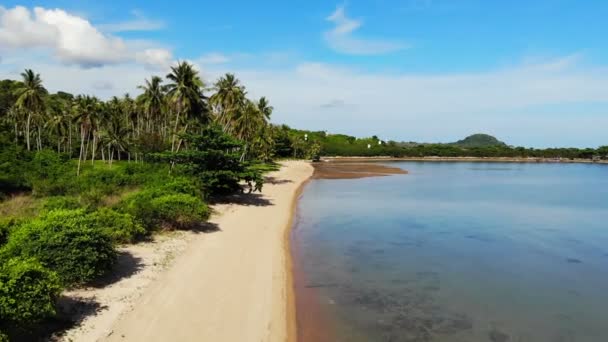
{"x":230,"y":285}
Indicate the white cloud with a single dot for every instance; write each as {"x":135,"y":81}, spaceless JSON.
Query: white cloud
{"x":138,"y":23}
{"x":213,"y":58}
{"x":155,"y":58}
{"x":342,"y":39}
{"x":70,"y":38}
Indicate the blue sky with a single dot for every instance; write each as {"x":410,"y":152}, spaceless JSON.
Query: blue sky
{"x":533,"y":73}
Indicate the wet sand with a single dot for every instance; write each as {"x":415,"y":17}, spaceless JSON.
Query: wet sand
{"x":334,"y":169}
{"x":464,"y":159}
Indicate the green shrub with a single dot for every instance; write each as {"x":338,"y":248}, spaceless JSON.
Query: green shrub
{"x":61,"y":202}
{"x":154,"y":209}
{"x":3,"y":337}
{"x":28,"y":292}
{"x":122,"y":228}
{"x":7,"y":224}
{"x":63,"y":242}
{"x":179,"y":210}
{"x":48,"y":174}
{"x":180,"y":185}
{"x":138,"y":206}
{"x":92,"y":198}
{"x":13,"y":166}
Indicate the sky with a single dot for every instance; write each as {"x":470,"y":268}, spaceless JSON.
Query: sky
{"x":532,"y":73}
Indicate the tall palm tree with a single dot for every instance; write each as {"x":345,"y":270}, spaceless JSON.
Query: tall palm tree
{"x":152,"y":101}
{"x":228,"y":100}
{"x":248,"y":122}
{"x":265,"y":108}
{"x":58,"y":123}
{"x":85,"y":107}
{"x":184,"y":95}
{"x":30,"y":98}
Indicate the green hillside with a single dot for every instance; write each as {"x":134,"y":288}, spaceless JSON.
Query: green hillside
{"x":479,"y":140}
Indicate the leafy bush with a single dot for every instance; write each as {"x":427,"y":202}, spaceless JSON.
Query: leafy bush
{"x":175,"y":204}
{"x":92,"y":198}
{"x":122,"y":228}
{"x":48,"y":174}
{"x":63,"y":242}
{"x":7,"y":224}
{"x":138,"y":206}
{"x":180,"y":185}
{"x":3,"y":337}
{"x":28,"y":292}
{"x":61,"y":202}
{"x":179,"y":210}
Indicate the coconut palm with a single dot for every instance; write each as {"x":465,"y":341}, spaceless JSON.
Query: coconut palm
{"x":184,"y":95}
{"x":248,"y":123}
{"x":265,"y":108}
{"x":58,"y":123}
{"x":30,"y":99}
{"x":228,"y":100}
{"x":85,"y":108}
{"x":152,"y":101}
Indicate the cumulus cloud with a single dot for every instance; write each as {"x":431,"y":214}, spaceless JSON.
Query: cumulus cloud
{"x":214,"y":58}
{"x":70,"y":38}
{"x":155,"y":58}
{"x":139,"y":23}
{"x":342,"y":37}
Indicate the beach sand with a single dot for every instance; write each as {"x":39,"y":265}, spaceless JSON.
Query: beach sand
{"x":230,"y":285}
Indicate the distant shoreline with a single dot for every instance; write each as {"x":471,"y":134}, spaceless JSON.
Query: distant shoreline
{"x":465,"y":159}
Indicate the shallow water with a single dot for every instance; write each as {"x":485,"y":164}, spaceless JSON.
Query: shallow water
{"x":460,"y":252}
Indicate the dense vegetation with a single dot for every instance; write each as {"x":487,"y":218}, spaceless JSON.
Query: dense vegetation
{"x":310,"y":143}
{"x":479,"y":140}
{"x":80,"y":176}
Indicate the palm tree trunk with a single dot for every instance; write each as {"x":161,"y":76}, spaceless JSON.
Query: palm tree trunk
{"x":27,"y":130}
{"x":93,"y":152}
{"x":86,"y":148}
{"x":81,"y":150}
{"x":70,"y":138}
{"x":244,"y":153}
{"x":175,"y":133}
{"x":39,"y":140}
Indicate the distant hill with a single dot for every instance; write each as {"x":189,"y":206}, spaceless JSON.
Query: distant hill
{"x":479,"y":140}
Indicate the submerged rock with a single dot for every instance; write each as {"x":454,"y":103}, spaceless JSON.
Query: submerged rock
{"x":498,"y":336}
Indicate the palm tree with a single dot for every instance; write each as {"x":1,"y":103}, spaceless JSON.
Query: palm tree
{"x":228,"y":100}
{"x":58,"y":123}
{"x":85,"y":107}
{"x":30,"y":98}
{"x":248,"y":122}
{"x":152,"y":101}
{"x":184,"y":95}
{"x":265,"y":108}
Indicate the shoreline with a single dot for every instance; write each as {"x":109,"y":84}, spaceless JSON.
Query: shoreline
{"x":464,"y":159}
{"x":233,"y":284}
{"x":290,"y":265}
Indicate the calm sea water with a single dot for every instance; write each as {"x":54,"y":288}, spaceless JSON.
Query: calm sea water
{"x":460,"y":252}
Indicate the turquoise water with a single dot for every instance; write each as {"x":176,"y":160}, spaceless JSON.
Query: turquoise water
{"x":460,"y":252}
